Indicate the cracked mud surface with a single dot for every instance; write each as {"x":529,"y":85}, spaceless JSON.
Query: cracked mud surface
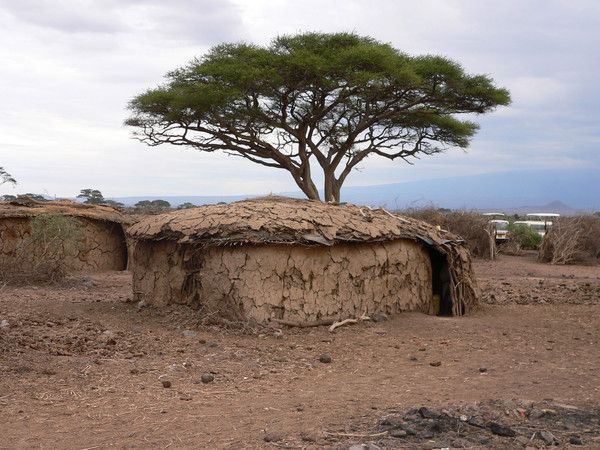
{"x":83,"y":367}
{"x":294,"y":283}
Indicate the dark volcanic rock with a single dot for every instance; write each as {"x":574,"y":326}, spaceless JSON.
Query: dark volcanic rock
{"x":501,"y":430}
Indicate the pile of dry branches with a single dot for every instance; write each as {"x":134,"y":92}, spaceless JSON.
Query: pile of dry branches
{"x":572,"y":240}
{"x":474,"y":228}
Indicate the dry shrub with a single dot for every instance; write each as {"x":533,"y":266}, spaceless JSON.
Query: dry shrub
{"x":41,"y":257}
{"x":474,"y":228}
{"x":572,"y":240}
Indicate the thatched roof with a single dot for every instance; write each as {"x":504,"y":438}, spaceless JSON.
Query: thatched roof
{"x":31,"y":208}
{"x":280,"y":220}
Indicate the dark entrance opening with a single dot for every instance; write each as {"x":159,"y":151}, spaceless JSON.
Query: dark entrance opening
{"x":442,"y":297}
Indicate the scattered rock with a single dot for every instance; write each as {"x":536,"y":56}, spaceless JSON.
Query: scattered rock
{"x":575,"y":440}
{"x":461,"y":443}
{"x":213,"y":344}
{"x":476,"y":422}
{"x":483,"y":370}
{"x":134,"y":371}
{"x":547,"y":437}
{"x":379,"y":317}
{"x":463,"y":418}
{"x":412,"y":358}
{"x":428,"y":413}
{"x":435,"y":363}
{"x":389,"y":424}
{"x":272,"y":437}
{"x":207,"y":378}
{"x":501,"y":430}
{"x":398,"y":433}
{"x":189,"y":333}
{"x":325,"y":358}
{"x":166,"y":383}
{"x":4,"y":323}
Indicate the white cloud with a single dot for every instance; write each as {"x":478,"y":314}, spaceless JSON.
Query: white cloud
{"x":69,"y":67}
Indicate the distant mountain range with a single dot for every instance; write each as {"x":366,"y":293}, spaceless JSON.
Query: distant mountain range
{"x":562,"y":191}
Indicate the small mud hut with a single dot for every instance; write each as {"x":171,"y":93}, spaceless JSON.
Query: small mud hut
{"x":94,"y":242}
{"x":299,"y":261}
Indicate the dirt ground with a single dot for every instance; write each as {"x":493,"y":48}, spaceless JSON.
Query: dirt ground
{"x":84,"y":367}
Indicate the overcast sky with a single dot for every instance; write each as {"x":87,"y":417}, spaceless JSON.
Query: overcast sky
{"x":69,"y":67}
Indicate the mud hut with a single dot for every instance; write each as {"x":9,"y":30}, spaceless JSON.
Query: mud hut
{"x":98,"y":243}
{"x":299,"y":261}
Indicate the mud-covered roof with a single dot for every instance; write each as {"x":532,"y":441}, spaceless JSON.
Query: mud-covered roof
{"x":281,"y":220}
{"x":30,"y":208}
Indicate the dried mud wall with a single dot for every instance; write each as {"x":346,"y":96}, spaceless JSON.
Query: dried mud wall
{"x":100,"y":246}
{"x":288,"y":282}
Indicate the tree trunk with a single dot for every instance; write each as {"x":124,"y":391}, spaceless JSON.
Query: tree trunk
{"x":332,"y":188}
{"x":309,"y":188}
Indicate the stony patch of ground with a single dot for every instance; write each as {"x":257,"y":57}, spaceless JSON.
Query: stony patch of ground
{"x":83,"y":367}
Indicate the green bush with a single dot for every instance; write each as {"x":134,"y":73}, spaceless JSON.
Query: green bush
{"x":524,"y":236}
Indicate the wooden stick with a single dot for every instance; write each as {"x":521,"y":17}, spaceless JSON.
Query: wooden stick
{"x":318,"y":323}
{"x":341,"y":323}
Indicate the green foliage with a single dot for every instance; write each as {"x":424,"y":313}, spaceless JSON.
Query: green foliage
{"x":113,"y":203}
{"x":9,"y":198}
{"x":5,"y":177}
{"x":526,"y":237}
{"x":335,"y":99}
{"x":36,"y":197}
{"x":186,"y":205}
{"x":92,"y":196}
{"x":152,"y":206}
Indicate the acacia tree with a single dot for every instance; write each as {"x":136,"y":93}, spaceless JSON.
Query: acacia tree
{"x":315,"y":100}
{"x":5,"y":177}
{"x":91,"y":196}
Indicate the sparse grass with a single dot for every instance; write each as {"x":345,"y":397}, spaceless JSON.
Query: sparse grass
{"x":41,"y":256}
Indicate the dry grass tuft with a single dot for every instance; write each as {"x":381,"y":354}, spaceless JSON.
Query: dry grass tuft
{"x":471,"y":226}
{"x":572,"y":240}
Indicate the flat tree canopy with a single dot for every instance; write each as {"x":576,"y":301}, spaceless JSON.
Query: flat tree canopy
{"x":315,"y":100}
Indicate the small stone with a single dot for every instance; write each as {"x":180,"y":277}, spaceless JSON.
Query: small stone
{"x":207,"y":378}
{"x":389,"y":424}
{"x":166,"y":383}
{"x":435,"y":364}
{"x":272,"y":437}
{"x":189,"y":333}
{"x":547,"y":437}
{"x":111,"y":341}
{"x":482,"y":369}
{"x":463,"y":418}
{"x":501,"y":430}
{"x":379,"y":317}
{"x":325,"y":358}
{"x":213,"y":344}
{"x":398,"y":433}
{"x":575,"y":440}
{"x":409,"y":430}
{"x":461,"y":443}
{"x":134,"y":371}
{"x":523,"y":440}
{"x":4,"y":323}
{"x":412,"y":358}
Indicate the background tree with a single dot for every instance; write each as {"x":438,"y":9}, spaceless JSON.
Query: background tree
{"x":186,"y":205}
{"x":315,"y":100}
{"x":152,"y":206}
{"x":5,"y":177}
{"x":91,"y":196}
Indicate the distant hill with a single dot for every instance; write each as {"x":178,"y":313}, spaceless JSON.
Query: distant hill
{"x":565,"y":192}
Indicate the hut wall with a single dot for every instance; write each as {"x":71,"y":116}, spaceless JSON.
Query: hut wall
{"x":101,"y":246}
{"x":289,"y":282}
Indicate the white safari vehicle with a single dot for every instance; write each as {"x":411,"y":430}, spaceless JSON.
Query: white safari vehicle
{"x":500,"y":225}
{"x":538,"y":222}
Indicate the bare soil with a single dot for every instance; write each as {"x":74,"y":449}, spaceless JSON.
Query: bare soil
{"x":84,"y":367}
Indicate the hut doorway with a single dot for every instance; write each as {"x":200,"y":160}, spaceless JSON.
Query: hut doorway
{"x":440,"y":282}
